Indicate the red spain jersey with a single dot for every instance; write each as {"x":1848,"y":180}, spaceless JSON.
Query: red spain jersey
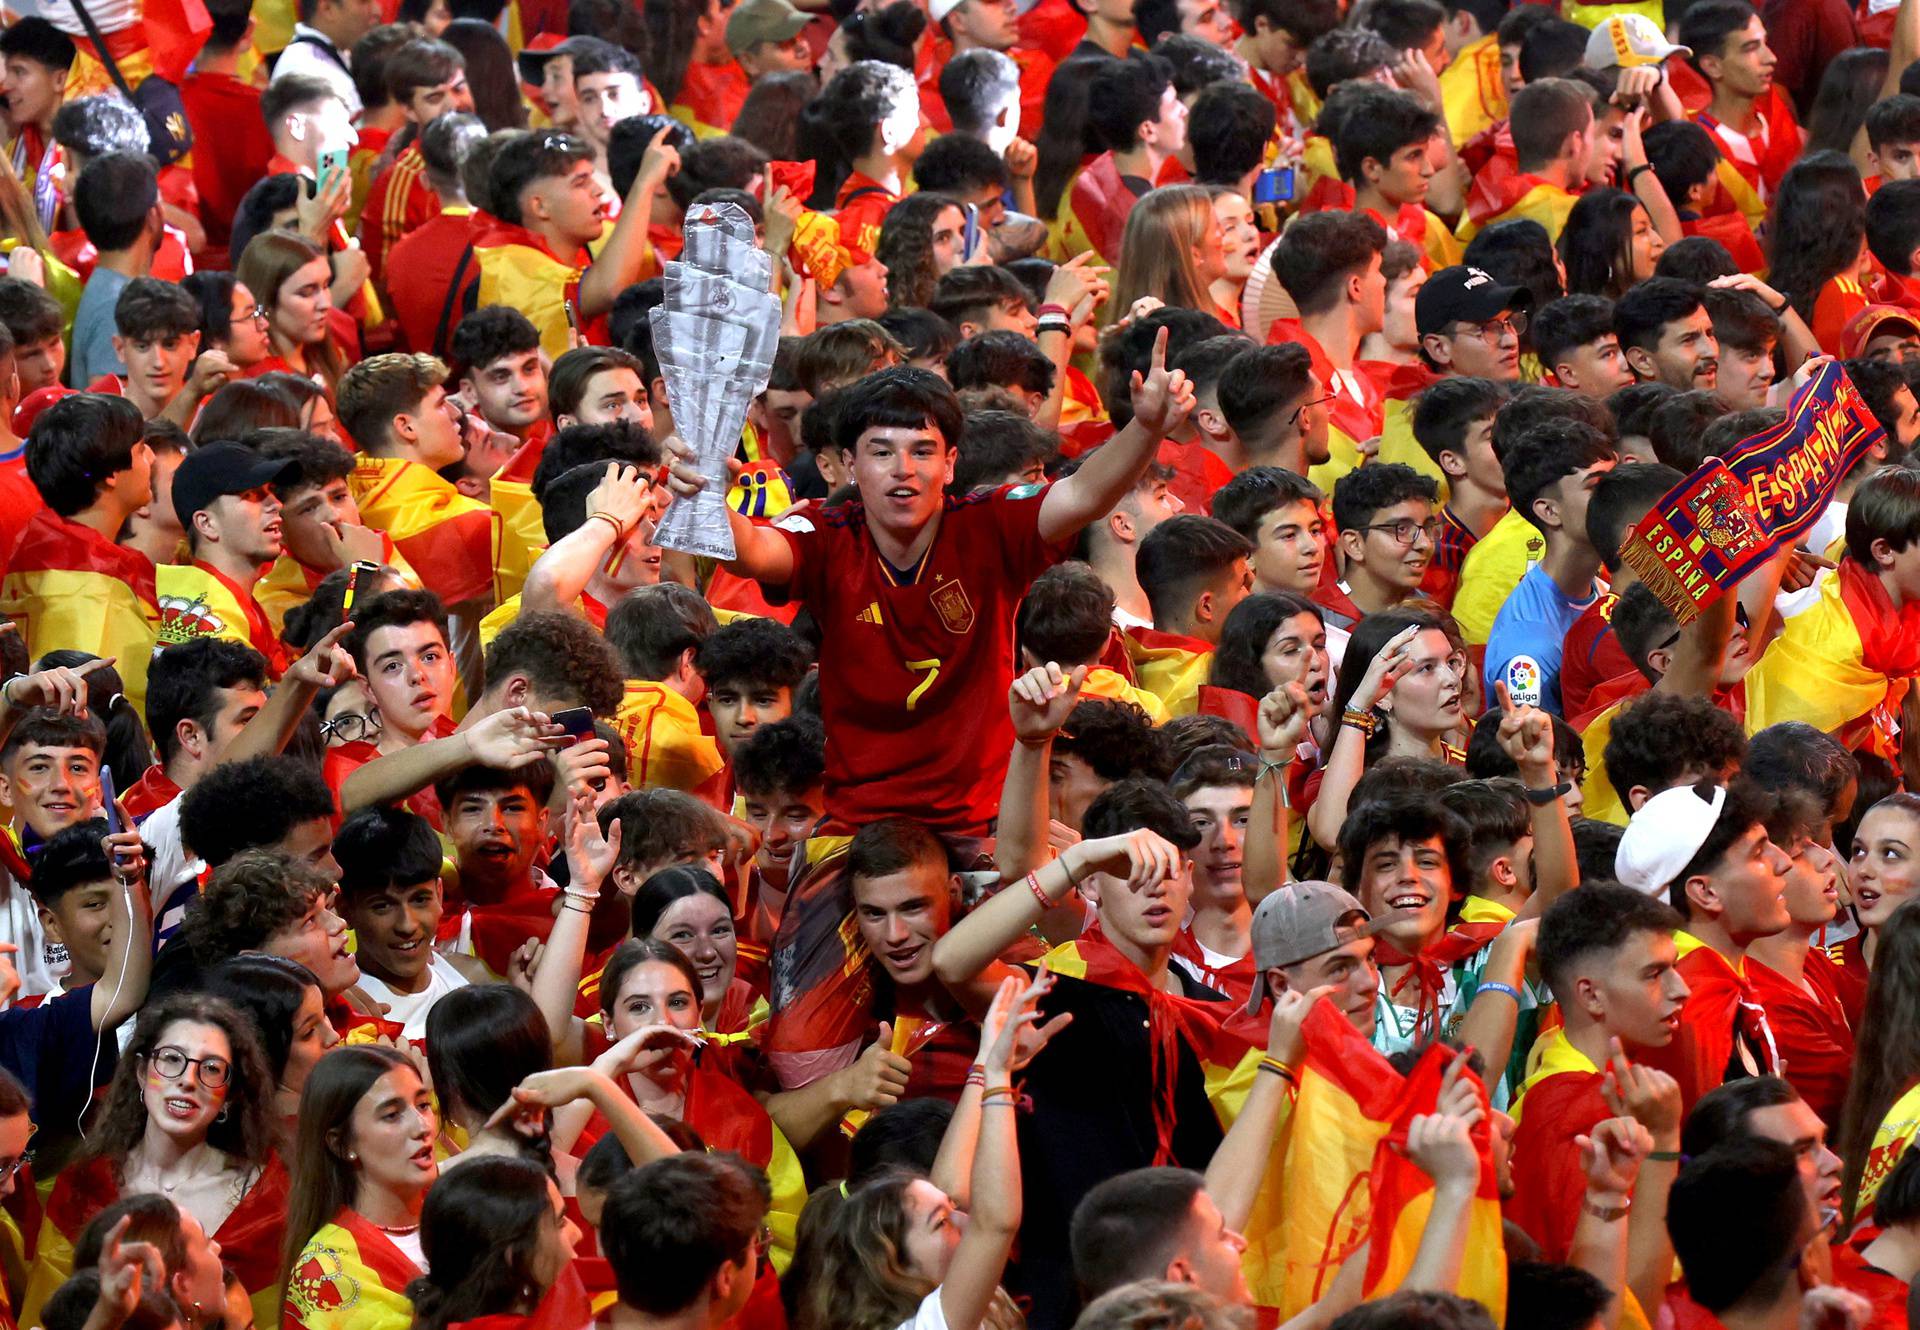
{"x":399,"y":203}
{"x":1593,"y":658}
{"x":916,"y":662}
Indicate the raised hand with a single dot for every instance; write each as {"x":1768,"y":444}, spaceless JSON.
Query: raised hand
{"x":326,"y":663}
{"x":1022,"y":158}
{"x":1441,"y":1146}
{"x":1611,"y":1155}
{"x":1041,"y":700}
{"x":590,"y":855}
{"x":624,"y":495}
{"x":1285,"y":1038}
{"x":1015,"y":1006}
{"x":128,"y":1270}
{"x":1646,"y":1094}
{"x":877,"y":1078}
{"x":647,"y":1048}
{"x":1282,"y":720}
{"x":684,"y":479}
{"x":211,"y":371}
{"x":661,"y":160}
{"x":1384,"y":671}
{"x":513,"y":738}
{"x":349,"y":543}
{"x":1526,"y":736}
{"x":1140,"y":858}
{"x":63,"y":688}
{"x":585,"y":764}
{"x":1162,"y":398}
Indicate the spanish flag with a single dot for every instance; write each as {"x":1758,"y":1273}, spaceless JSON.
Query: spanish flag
{"x":1891,"y":1139}
{"x":1500,"y":197}
{"x":1171,"y":666}
{"x":1473,"y":94}
{"x":1346,"y":1178}
{"x":1842,"y":664}
{"x":439,"y":529}
{"x":665,"y":744}
{"x":349,"y":1276}
{"x":1093,"y":212}
{"x":822,"y":990}
{"x":68,"y":586}
{"x":1112,"y":685}
{"x":197,"y":601}
{"x":290,"y":582}
{"x":520,"y":537}
{"x":1397,"y":444}
{"x":518,"y":270}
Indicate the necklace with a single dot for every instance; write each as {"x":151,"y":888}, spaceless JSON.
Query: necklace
{"x":401,"y":1229}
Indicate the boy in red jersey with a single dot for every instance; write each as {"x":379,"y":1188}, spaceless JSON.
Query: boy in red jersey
{"x":917,"y":590}
{"x":1751,"y":122}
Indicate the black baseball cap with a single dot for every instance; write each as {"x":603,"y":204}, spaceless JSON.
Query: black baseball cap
{"x":214,"y":470}
{"x":1464,"y":295}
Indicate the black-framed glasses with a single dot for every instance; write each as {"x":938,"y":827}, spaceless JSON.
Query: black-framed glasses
{"x":1293,"y":421}
{"x":173,"y":1062}
{"x":1495,"y":331}
{"x":1406,"y":530}
{"x":352,"y":726}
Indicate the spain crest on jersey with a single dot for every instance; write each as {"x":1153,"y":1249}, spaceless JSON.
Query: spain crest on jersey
{"x":955,"y":610}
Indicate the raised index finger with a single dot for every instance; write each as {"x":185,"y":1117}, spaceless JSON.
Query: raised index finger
{"x":1159,"y":364}
{"x":1506,"y":698}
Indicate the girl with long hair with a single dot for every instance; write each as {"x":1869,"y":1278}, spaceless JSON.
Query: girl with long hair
{"x":1850,"y":85}
{"x":1270,"y":640}
{"x":314,"y":403}
{"x":1609,"y":244}
{"x":686,"y":907}
{"x":362,"y":1169}
{"x":292,"y":279}
{"x":1881,"y":1100}
{"x":231,"y":320}
{"x":499,"y":1243}
{"x":1240,"y":240}
{"x":1816,"y":239}
{"x":922,"y":237}
{"x":491,"y":75}
{"x":187,"y":1117}
{"x":1883,"y":872}
{"x":1067,"y":139}
{"x":902,"y":1252}
{"x":1401,"y":692}
{"x":288,"y":1012}
{"x":1173,"y":248}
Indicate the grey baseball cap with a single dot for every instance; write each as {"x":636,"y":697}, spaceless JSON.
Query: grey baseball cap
{"x":1300,"y":921}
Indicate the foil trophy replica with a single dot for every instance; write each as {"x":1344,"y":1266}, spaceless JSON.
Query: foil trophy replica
{"x":715,"y":334}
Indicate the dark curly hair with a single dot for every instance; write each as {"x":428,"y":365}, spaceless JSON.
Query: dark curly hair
{"x":1659,"y":737}
{"x":906,"y":247}
{"x":252,"y":897}
{"x":1404,"y":815}
{"x":562,"y":656}
{"x":1117,"y":739}
{"x":1244,"y":637}
{"x":788,"y":755}
{"x":244,"y":1127}
{"x":241,"y":805}
{"x":753,"y":651}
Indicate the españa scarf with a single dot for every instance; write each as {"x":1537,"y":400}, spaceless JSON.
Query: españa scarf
{"x":1726,"y":519}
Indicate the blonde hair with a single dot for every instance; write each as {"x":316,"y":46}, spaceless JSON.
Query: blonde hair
{"x":270,"y":259}
{"x":1157,"y":250}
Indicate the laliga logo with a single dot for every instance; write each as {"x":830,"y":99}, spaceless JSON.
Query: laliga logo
{"x":1523,"y":680}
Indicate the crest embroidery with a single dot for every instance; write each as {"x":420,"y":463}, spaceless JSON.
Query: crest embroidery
{"x":955,"y":610}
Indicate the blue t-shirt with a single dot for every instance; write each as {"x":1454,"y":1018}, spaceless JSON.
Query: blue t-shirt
{"x":1527,"y":638}
{"x":50,"y":1049}
{"x":93,"y":329}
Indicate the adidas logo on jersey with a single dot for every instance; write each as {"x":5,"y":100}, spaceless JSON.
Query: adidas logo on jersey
{"x":871,"y":614}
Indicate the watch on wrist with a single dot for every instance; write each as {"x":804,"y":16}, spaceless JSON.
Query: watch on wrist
{"x":1541,"y":798}
{"x":1607,"y":1214}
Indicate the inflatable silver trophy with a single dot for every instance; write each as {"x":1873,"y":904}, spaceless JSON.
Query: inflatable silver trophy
{"x":715,"y":334}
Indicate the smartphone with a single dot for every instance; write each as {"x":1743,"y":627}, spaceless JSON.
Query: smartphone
{"x":107,"y":798}
{"x":355,"y":570}
{"x":970,"y":238}
{"x":332,"y":162}
{"x":1273,"y":185}
{"x":576,"y":721}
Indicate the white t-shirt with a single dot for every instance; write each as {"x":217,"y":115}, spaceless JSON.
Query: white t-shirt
{"x":42,"y":963}
{"x":410,"y":1009}
{"x":929,"y":1316}
{"x":172,"y":865}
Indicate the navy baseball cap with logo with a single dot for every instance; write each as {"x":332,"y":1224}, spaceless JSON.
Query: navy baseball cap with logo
{"x":1464,"y":295}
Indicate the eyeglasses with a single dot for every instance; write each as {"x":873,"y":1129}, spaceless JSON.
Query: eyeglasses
{"x":1496,"y":331}
{"x":1293,"y":421}
{"x":171,"y":1062}
{"x":258,"y":314}
{"x":1406,"y":530}
{"x":11,"y":1169}
{"x":352,"y":726}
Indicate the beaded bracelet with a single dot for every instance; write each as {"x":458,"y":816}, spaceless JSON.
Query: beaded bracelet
{"x":1033,"y":885}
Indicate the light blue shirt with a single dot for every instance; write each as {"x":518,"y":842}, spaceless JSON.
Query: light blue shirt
{"x":1524,"y":647}
{"x":93,"y":329}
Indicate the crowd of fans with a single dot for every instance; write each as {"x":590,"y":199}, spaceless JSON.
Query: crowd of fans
{"x":1179,"y":811}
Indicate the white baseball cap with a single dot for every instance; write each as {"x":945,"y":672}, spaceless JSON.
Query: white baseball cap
{"x":1629,"y":40}
{"x":1662,"y":838}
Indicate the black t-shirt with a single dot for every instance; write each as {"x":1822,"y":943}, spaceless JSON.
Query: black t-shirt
{"x":1092,"y":1118}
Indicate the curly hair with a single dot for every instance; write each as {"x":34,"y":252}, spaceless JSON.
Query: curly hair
{"x":256,"y":802}
{"x":753,"y":651}
{"x":1117,"y":739}
{"x":1660,"y":737}
{"x":244,"y":1127}
{"x":789,"y":755}
{"x":906,"y":247}
{"x":253,"y":897}
{"x":562,"y":657}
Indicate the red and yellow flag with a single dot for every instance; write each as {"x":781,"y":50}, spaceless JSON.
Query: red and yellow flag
{"x":1346,"y":1179}
{"x":349,"y":1276}
{"x":442,"y":532}
{"x":69,"y":587}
